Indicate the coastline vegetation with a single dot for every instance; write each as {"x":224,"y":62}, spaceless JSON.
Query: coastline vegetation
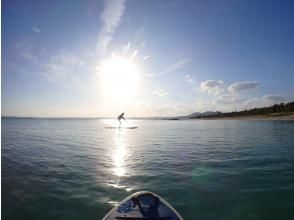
{"x":276,"y":110}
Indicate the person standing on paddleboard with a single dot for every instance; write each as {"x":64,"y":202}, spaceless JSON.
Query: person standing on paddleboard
{"x":120,"y":117}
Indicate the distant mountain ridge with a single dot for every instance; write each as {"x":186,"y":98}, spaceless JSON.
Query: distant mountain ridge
{"x":198,"y":114}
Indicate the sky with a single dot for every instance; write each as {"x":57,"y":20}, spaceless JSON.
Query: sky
{"x":98,"y":58}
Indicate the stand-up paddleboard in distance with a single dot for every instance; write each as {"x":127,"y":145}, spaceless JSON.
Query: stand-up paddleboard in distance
{"x":145,"y":206}
{"x":113,"y":127}
{"x":119,"y":118}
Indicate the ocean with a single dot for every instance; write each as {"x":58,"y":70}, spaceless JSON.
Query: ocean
{"x":207,"y":169}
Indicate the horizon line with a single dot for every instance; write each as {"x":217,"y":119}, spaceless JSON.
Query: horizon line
{"x":139,"y":117}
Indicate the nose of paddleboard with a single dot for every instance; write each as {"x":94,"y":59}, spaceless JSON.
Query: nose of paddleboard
{"x":143,"y":205}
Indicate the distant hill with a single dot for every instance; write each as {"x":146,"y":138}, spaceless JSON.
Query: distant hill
{"x":199,"y":114}
{"x":195,"y":114}
{"x":274,"y":110}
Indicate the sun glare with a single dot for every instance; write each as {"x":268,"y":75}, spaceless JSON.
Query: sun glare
{"x":119,"y":78}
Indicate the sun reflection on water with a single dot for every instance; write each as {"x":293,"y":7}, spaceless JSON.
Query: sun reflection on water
{"x":119,"y":155}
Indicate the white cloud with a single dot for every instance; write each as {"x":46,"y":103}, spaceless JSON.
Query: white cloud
{"x":259,"y":102}
{"x":142,"y":44}
{"x":149,"y":75}
{"x":146,"y":57}
{"x":27,"y":55}
{"x":64,"y":68}
{"x":232,"y":102}
{"x":178,"y":65}
{"x":212,"y":86}
{"x":202,"y":106}
{"x":228,"y":99}
{"x":159,"y":92}
{"x":273,"y":98}
{"x":112,"y":13}
{"x":253,"y":102}
{"x":134,"y":54}
{"x":126,"y":48}
{"x":242,"y":86}
{"x":189,"y":79}
{"x":110,"y":17}
{"x":36,"y":30}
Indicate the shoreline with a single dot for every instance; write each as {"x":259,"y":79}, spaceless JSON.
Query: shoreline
{"x":273,"y":117}
{"x":252,"y":117}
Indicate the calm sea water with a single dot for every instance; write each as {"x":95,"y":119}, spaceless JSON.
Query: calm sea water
{"x":77,"y":169}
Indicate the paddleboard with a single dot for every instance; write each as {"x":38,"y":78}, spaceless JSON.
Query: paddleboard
{"x":143,"y":205}
{"x":112,"y":127}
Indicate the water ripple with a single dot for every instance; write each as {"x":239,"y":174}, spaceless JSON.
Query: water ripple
{"x":76,"y":169}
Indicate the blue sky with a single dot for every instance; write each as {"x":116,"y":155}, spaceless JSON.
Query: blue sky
{"x":187,"y":55}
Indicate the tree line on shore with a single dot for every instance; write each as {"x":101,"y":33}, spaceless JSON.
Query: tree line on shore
{"x":281,"y":108}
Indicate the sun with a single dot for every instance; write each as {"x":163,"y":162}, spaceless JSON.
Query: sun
{"x":119,"y":78}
